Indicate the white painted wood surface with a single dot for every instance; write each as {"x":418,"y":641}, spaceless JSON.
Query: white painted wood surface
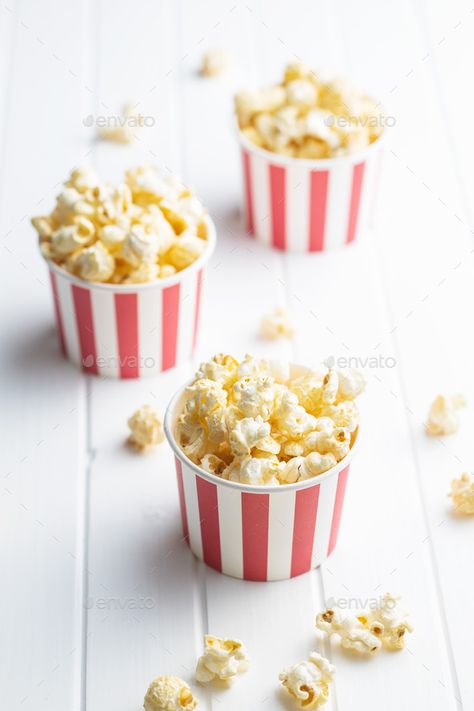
{"x":99,"y":594}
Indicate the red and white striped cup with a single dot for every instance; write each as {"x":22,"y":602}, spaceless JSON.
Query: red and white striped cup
{"x":300,"y":205}
{"x":257,"y":532}
{"x":129,"y":331}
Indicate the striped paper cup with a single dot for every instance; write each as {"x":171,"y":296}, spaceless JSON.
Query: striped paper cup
{"x":300,"y":205}
{"x":257,"y":532}
{"x":129,"y":331}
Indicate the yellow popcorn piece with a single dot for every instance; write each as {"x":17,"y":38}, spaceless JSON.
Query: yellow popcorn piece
{"x":126,"y":127}
{"x":146,"y":429}
{"x":352,"y":633}
{"x":390,"y":622}
{"x":215,"y":62}
{"x":277,"y":325}
{"x":222,"y":659}
{"x":251,"y":423}
{"x":307,"y":117}
{"x":121,"y":234}
{"x":462,"y":493}
{"x":443,"y":417}
{"x":308,"y":682}
{"x":169,"y":693}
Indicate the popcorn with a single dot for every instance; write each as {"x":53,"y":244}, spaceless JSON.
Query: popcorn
{"x":146,"y":429}
{"x":352,"y":633}
{"x":308,"y":117}
{"x":308,"y":682}
{"x":251,"y":422}
{"x":276,"y":325}
{"x":147,"y":228}
{"x":386,"y":624}
{"x":442,"y":417}
{"x":215,"y":62}
{"x":169,"y":693}
{"x":127,"y":125}
{"x":389,"y":622}
{"x":462,"y":493}
{"x":222,"y":659}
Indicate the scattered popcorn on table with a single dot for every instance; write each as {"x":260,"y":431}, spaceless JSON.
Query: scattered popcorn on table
{"x":249,"y":422}
{"x":462,"y":493}
{"x":222,"y":659}
{"x":126,"y":127}
{"x":443,"y":418}
{"x":384,"y":625}
{"x":147,"y":228}
{"x":215,"y":62}
{"x":276,"y":325}
{"x":169,"y":693}
{"x":146,"y":429}
{"x":308,"y":682}
{"x":307,"y":116}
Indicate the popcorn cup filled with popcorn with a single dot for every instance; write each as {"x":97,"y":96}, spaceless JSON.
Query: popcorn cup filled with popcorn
{"x":262,"y":453}
{"x":126,"y":267}
{"x":310,"y":152}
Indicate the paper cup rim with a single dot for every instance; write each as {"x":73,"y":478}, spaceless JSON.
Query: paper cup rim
{"x":161,"y":283}
{"x":310,"y":163}
{"x":247,"y":488}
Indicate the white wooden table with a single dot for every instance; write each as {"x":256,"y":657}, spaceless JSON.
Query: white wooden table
{"x":98,"y":593}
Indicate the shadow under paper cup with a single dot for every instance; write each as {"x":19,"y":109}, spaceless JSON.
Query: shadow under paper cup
{"x":133,"y":330}
{"x":259,"y":533}
{"x":301,"y":205}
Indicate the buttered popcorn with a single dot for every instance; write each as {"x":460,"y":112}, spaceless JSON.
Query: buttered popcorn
{"x":462,"y":493}
{"x":306,"y":116}
{"x":169,"y":693}
{"x":147,"y":228}
{"x":443,"y":418}
{"x":352,"y":633}
{"x":222,"y":659}
{"x":251,"y":422}
{"x":308,"y":682}
{"x":146,"y":429}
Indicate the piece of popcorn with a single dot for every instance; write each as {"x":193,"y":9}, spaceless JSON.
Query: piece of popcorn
{"x":186,"y":215}
{"x":212,"y":464}
{"x":126,"y":128}
{"x":258,"y":471}
{"x":290,"y":418}
{"x":206,"y":396}
{"x":215,"y":62}
{"x":352,"y":632}
{"x":247,"y":434}
{"x":169,"y":693}
{"x":146,"y":429}
{"x":68,"y":239}
{"x":301,"y":93}
{"x":167,"y":270}
{"x":83,"y":178}
{"x":462,"y":493}
{"x":43,"y":226}
{"x":344,"y":414}
{"x":315,"y":464}
{"x":112,"y":237}
{"x":336,"y":442}
{"x":443,"y":418}
{"x":146,"y":272}
{"x":276,"y":325}
{"x":222,"y":368}
{"x":252,"y":367}
{"x":298,"y":70}
{"x":389,"y":621}
{"x":222,"y":659}
{"x":187,"y":248}
{"x":308,"y":389}
{"x":139,"y":246}
{"x":94,"y":263}
{"x":250,"y":103}
{"x":308,"y":681}
{"x":351,"y":384}
{"x":255,"y":396}
{"x":330,"y":387}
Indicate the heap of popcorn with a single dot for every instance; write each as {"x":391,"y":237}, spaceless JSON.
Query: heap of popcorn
{"x":147,"y":228}
{"x":306,"y":116}
{"x":250,"y":422}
